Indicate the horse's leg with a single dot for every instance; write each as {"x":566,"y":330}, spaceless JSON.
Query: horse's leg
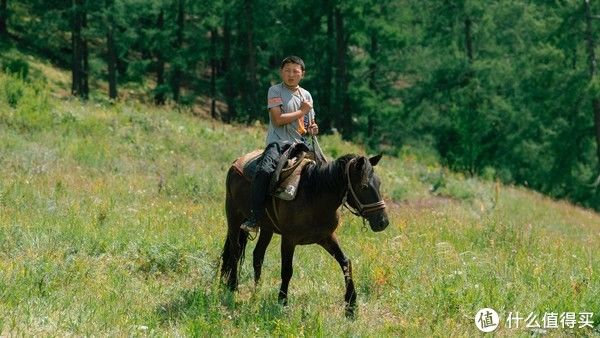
{"x":332,"y":246}
{"x":287,"y":256}
{"x":259,"y":252}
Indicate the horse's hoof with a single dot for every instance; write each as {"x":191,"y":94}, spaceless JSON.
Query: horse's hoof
{"x":350,"y":312}
{"x":283,"y":299}
{"x":232,"y":287}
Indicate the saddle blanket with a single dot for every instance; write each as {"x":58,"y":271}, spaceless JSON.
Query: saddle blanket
{"x":289,"y":178}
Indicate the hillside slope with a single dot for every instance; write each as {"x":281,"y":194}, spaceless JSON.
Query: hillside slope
{"x":111,"y":222}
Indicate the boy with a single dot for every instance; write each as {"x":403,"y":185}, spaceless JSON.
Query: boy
{"x":291,"y":116}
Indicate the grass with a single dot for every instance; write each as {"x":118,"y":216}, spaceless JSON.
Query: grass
{"x":112,"y":223}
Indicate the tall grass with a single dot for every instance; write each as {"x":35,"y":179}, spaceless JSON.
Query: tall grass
{"x":111,"y":223}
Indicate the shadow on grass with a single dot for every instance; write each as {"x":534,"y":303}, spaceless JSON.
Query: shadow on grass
{"x":207,"y":301}
{"x":213,"y":307}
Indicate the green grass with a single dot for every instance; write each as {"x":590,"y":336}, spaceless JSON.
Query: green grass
{"x":112,"y":223}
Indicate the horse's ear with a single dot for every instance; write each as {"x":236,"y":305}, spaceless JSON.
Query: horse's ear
{"x":375,"y":159}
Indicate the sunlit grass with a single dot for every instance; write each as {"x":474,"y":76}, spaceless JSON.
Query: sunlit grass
{"x":112,"y":223}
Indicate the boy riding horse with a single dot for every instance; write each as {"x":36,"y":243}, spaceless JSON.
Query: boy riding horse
{"x":291,"y":117}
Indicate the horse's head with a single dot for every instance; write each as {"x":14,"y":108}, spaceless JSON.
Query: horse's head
{"x":363,"y":191}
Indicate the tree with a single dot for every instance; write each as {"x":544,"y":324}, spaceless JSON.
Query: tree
{"x":342,"y":111}
{"x":247,"y":59}
{"x":227,"y":66}
{"x":213,"y":72}
{"x":500,"y":87}
{"x":591,"y":49}
{"x":111,"y":49}
{"x":3,"y":18}
{"x":80,"y":56}
{"x":160,"y":89}
{"x":178,"y":62}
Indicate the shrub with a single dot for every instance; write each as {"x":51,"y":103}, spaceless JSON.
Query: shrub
{"x":31,"y":107}
{"x":16,"y":67}
{"x":12,"y":90}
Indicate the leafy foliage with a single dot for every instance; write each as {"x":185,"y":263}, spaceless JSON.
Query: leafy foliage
{"x":502,"y":85}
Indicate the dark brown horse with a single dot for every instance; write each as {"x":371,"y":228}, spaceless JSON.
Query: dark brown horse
{"x":311,"y":217}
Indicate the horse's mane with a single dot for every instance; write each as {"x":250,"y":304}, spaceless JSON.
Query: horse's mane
{"x":326,"y":176}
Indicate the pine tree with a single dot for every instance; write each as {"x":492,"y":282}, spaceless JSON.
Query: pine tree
{"x":3,"y":18}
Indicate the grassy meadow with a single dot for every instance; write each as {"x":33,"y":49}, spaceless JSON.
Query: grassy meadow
{"x":112,"y":223}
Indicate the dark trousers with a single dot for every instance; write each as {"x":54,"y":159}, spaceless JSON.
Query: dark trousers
{"x":262,"y":178}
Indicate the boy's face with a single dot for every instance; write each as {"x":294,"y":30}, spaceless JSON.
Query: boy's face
{"x":291,"y":74}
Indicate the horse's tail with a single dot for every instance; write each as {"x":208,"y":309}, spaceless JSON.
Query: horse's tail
{"x":228,"y":251}
{"x":234,"y":252}
{"x":235,"y":243}
{"x":226,"y":259}
{"x":243,"y":240}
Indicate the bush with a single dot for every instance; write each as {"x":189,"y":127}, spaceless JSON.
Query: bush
{"x":12,"y":90}
{"x":31,"y":107}
{"x":16,"y":67}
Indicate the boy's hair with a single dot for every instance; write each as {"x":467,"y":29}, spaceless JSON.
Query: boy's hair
{"x":292,"y":59}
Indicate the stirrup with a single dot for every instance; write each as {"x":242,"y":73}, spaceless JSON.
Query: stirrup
{"x":251,"y":230}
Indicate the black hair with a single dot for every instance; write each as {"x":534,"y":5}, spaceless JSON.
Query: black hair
{"x":292,"y":59}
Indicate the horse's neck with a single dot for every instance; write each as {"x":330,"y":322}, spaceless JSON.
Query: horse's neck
{"x":329,"y":179}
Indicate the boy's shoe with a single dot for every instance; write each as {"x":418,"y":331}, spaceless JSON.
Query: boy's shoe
{"x":251,"y":225}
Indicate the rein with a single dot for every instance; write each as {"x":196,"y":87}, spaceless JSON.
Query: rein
{"x":362,"y":209}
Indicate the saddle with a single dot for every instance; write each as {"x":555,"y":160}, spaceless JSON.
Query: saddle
{"x":286,"y":178}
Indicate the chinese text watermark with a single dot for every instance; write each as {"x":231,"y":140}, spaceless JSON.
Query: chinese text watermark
{"x":488,"y":320}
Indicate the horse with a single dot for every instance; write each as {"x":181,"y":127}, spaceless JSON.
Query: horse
{"x":312,"y":217}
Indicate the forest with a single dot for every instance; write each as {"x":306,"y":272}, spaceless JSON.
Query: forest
{"x":503,"y":89}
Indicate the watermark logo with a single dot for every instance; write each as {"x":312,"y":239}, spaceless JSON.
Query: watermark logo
{"x":551,"y":320}
{"x":487,"y":320}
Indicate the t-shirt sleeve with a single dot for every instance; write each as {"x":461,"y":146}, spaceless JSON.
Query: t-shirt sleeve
{"x":274,"y":97}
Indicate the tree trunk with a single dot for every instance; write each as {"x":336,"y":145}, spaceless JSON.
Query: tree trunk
{"x":213,"y":73}
{"x":343,"y":115}
{"x":251,"y":65}
{"x":229,"y":89}
{"x":76,"y":65}
{"x":593,"y":70}
{"x":85,"y":55}
{"x":469,"y":39}
{"x":111,"y":53}
{"x":177,"y":71}
{"x":326,"y":113}
{"x":3,"y":18}
{"x":374,"y":50}
{"x":159,"y":96}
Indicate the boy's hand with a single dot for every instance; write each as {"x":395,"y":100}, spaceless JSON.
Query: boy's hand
{"x":313,"y":129}
{"x":305,"y":107}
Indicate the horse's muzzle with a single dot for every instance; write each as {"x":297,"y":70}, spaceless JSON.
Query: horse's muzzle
{"x":379,"y":221}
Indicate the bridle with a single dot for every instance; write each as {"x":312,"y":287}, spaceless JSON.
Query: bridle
{"x":362,"y":209}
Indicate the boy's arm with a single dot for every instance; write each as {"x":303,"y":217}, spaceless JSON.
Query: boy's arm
{"x":279,"y":118}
